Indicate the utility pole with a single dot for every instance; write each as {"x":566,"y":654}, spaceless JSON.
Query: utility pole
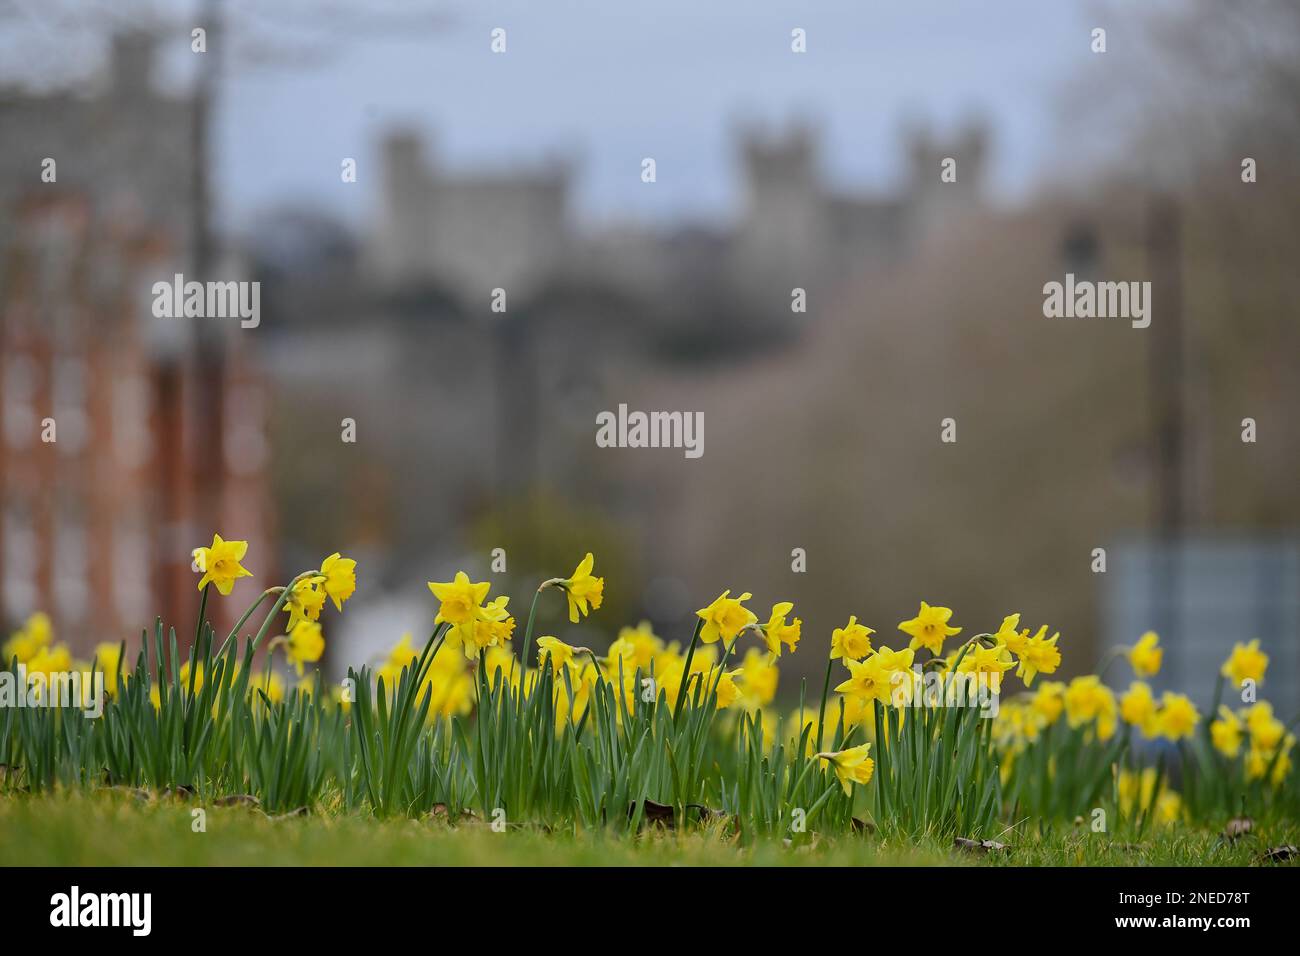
{"x":192,"y":501}
{"x":1168,"y":415}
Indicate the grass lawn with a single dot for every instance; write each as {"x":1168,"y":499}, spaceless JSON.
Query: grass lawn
{"x":120,"y":829}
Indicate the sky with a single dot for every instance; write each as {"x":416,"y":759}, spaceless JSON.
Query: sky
{"x":603,"y":84}
{"x":607,"y":84}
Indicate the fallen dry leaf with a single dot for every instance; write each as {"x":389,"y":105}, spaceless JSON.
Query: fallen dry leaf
{"x":237,"y":800}
{"x":1280,"y":854}
{"x":1238,"y":827}
{"x":977,"y":846}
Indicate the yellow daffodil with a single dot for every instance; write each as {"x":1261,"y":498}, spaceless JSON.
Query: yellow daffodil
{"x":401,"y":654}
{"x":339,"y":578}
{"x":1226,"y":733}
{"x":183,"y":675}
{"x":1037,"y":654}
{"x":560,"y":653}
{"x":460,"y":599}
{"x":1260,"y":759}
{"x":449,"y":685}
{"x":54,"y":659}
{"x":670,"y":668}
{"x":991,"y":661}
{"x":308,"y":686}
{"x":572,"y":695}
{"x":725,"y":618}
{"x":35,"y":634}
{"x":635,"y":646}
{"x":501,"y":660}
{"x":305,"y":644}
{"x":1137,"y":707}
{"x":584,"y":591}
{"x":1087,"y":699}
{"x":492,"y":625}
{"x":759,"y":678}
{"x":269,"y":683}
{"x":776,"y":632}
{"x":727,"y":690}
{"x":1169,"y":808}
{"x":852,"y":641}
{"x":1010,"y":634}
{"x":851,"y":766}
{"x":1246,"y":662}
{"x":1136,"y":791}
{"x":1145,"y":656}
{"x":1177,"y":717}
{"x":108,"y":658}
{"x":305,"y":602}
{"x":1265,"y":729}
{"x":220,"y":565}
{"x":929,"y":628}
{"x":1017,"y":724}
{"x":878,"y":675}
{"x":1049,"y":701}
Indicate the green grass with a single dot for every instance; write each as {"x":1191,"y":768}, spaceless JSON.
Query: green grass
{"x":118,"y":828}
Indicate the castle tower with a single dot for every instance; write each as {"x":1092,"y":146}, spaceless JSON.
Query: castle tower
{"x":933,"y":200}
{"x":782,"y":238}
{"x":402,"y":243}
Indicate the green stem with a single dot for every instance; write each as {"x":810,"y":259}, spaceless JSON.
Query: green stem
{"x":686,"y":671}
{"x":821,"y":714}
{"x":234,"y":631}
{"x":203,"y":610}
{"x":1111,"y":657}
{"x":526,"y":651}
{"x":284,"y":596}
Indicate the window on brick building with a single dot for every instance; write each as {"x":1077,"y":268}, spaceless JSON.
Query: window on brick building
{"x":19,"y":547}
{"x":20,"y":380}
{"x":70,"y":404}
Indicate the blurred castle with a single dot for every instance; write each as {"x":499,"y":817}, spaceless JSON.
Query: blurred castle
{"x":112,"y":466}
{"x":473,"y":232}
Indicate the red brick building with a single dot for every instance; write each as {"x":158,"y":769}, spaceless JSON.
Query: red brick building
{"x":112,"y":465}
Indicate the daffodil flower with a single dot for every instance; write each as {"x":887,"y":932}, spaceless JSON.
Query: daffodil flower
{"x":852,"y":641}
{"x":304,"y":645}
{"x":339,"y":578}
{"x":1137,"y":707}
{"x":929,"y":628}
{"x":851,"y":766}
{"x":1246,"y":662}
{"x":1145,"y":656}
{"x":304,"y":601}
{"x":584,"y":590}
{"x":725,"y":618}
{"x":219,"y":564}
{"x":776,"y":632}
